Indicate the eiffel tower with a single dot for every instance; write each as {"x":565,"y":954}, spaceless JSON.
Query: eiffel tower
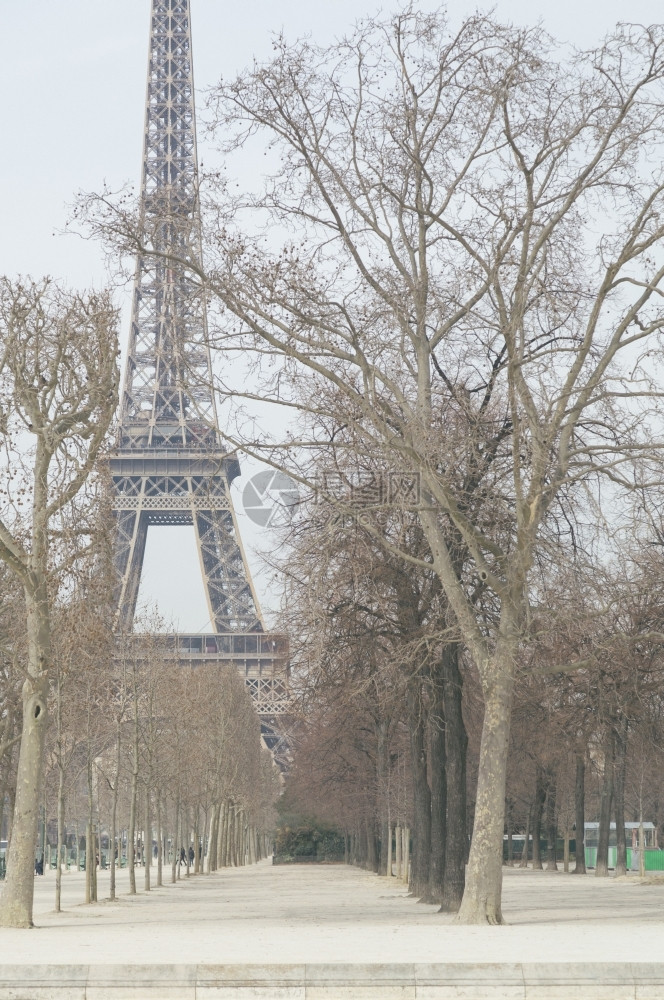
{"x":170,"y":466}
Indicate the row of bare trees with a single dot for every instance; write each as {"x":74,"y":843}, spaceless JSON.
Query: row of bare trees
{"x":453,"y":271}
{"x":384,"y":745}
{"x":148,"y":762}
{"x":86,"y":716}
{"x":461,"y":283}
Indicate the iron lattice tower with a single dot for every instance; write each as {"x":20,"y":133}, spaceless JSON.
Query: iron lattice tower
{"x":170,"y":466}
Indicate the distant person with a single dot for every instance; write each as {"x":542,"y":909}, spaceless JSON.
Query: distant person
{"x":191,"y":856}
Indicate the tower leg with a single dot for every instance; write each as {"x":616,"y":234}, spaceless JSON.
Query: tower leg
{"x":132,"y":530}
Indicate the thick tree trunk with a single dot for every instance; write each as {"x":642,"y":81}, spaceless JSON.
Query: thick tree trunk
{"x":580,"y":815}
{"x":17,"y":895}
{"x":481,"y":903}
{"x":419,"y":869}
{"x":606,"y":798}
{"x":619,"y":794}
{"x":540,"y":796}
{"x":456,"y":744}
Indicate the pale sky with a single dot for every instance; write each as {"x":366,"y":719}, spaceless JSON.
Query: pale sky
{"x":73,"y":75}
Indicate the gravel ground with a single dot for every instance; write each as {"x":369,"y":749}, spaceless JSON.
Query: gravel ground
{"x":334,"y":913}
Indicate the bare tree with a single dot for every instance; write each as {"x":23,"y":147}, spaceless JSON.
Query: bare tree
{"x":475,"y":225}
{"x":471,"y":223}
{"x":58,"y":389}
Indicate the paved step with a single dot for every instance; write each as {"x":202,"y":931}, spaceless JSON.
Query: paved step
{"x":338,"y":981}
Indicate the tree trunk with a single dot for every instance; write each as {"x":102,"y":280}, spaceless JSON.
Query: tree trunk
{"x":526,"y":841}
{"x":90,"y":845}
{"x":88,"y":884}
{"x":437,"y":763}
{"x":228,"y":836}
{"x":212,"y":839}
{"x":197,"y":843}
{"x":551,"y":829}
{"x":188,"y":843}
{"x":131,"y":834}
{"x":133,"y":796}
{"x":372,"y":864}
{"x":221,"y":836}
{"x":419,"y":869}
{"x":481,"y":903}
{"x":175,"y":860}
{"x":114,"y":810}
{"x":160,"y":844}
{"x":360,"y":855}
{"x":619,"y":794}
{"x":147,"y":837}
{"x":606,"y":798}
{"x":580,"y":815}
{"x":566,"y":850}
{"x":540,"y":796}
{"x":16,"y":902}
{"x":382,"y":784}
{"x":456,"y":743}
{"x":406,"y":853}
{"x":61,"y":835}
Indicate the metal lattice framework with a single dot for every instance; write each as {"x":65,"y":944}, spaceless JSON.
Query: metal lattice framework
{"x":170,"y":467}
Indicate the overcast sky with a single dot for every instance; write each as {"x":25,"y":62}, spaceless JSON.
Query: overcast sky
{"x":73,"y":79}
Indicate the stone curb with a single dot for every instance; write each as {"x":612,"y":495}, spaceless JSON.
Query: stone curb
{"x":340,"y":981}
